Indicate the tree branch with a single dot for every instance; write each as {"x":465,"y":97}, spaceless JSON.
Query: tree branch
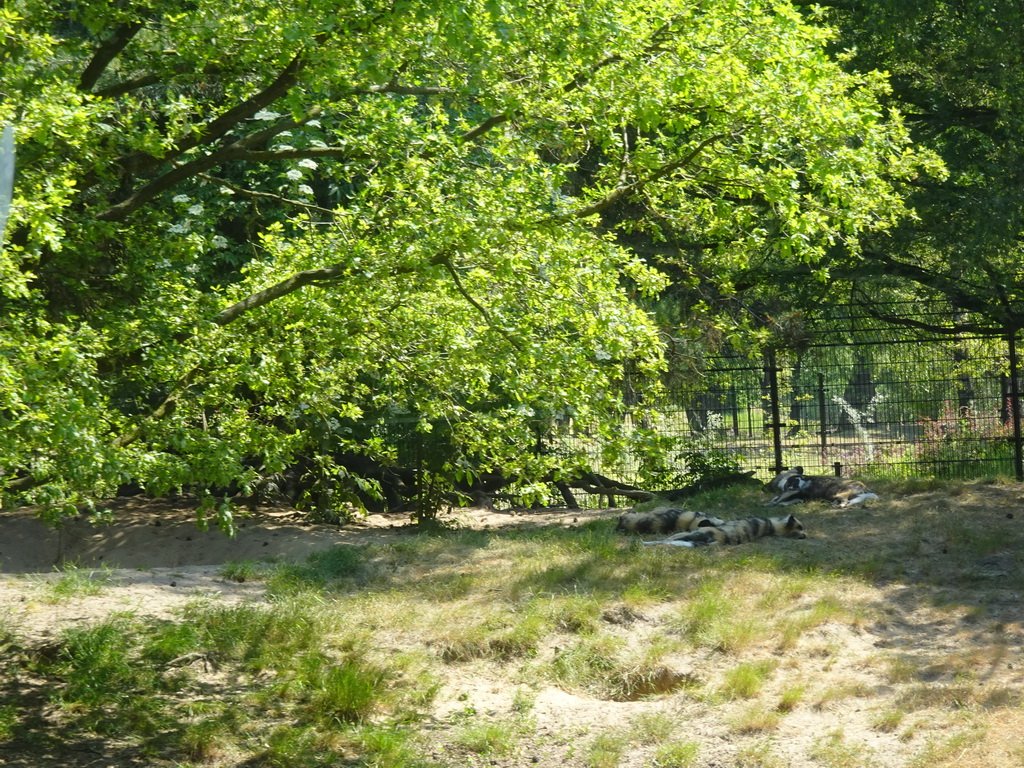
{"x":405,"y":90}
{"x":295,"y":282}
{"x":142,"y":81}
{"x":578,"y":81}
{"x":477,"y":306}
{"x":166,"y":408}
{"x":276,"y":291}
{"x":949,"y":286}
{"x":136,"y":162}
{"x":263,"y":195}
{"x":623,"y":191}
{"x":312,"y":153}
{"x":235,"y":151}
{"x":106,"y":53}
{"x":952,"y":329}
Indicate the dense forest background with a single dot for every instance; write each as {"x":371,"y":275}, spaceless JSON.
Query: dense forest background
{"x":255,"y":249}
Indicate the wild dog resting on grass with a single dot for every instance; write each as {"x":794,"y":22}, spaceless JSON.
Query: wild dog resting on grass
{"x":737,"y":532}
{"x":793,"y":487}
{"x":664,"y":520}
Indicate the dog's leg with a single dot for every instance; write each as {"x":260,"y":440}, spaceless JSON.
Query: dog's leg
{"x":676,"y":536}
{"x":671,"y":543}
{"x":858,"y":499}
{"x":785,"y":499}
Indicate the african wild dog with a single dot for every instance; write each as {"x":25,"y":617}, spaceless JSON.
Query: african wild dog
{"x":664,"y":520}
{"x":737,"y":532}
{"x":793,"y":487}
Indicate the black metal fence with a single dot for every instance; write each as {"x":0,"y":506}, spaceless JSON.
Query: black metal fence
{"x":859,"y":396}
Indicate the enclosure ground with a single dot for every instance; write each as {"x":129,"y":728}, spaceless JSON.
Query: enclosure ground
{"x":920,"y":661}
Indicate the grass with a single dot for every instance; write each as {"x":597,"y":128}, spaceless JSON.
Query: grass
{"x":654,"y":732}
{"x":75,"y":582}
{"x":746,"y":680}
{"x":242,"y":571}
{"x":835,"y":750}
{"x":758,"y":754}
{"x":757,"y":719}
{"x":8,"y":722}
{"x":345,"y":659}
{"x":490,"y":737}
{"x":791,"y":698}
{"x":606,"y":750}
{"x":677,"y":754}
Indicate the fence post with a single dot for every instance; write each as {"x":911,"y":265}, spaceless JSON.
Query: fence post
{"x":1018,"y":447}
{"x":773,"y":393}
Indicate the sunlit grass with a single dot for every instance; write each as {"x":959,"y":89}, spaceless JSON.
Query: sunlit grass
{"x":242,"y":571}
{"x":605,"y":750}
{"x":746,"y":680}
{"x":677,"y":754}
{"x":759,"y":754}
{"x":489,"y":737}
{"x":835,"y":750}
{"x":756,"y":718}
{"x":73,"y":581}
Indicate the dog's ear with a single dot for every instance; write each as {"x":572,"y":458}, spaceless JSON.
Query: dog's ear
{"x":791,"y":521}
{"x":705,"y":523}
{"x":798,"y":470}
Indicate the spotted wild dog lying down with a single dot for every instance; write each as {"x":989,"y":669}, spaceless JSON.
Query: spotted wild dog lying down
{"x":794,"y":487}
{"x":664,"y":520}
{"x":737,"y":532}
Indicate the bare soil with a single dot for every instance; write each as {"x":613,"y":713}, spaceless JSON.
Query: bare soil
{"x":967,"y":644}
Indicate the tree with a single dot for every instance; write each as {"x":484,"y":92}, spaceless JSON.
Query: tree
{"x":244,"y":237}
{"x":958,"y":78}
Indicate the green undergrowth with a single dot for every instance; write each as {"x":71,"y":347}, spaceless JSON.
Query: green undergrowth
{"x":343,"y":659}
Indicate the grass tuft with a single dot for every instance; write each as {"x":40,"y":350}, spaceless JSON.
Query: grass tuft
{"x":489,"y":737}
{"x":833,"y":750}
{"x":605,"y":750}
{"x":677,"y":754}
{"x":75,"y":583}
{"x":104,"y":682}
{"x":243,"y":571}
{"x":747,"y":679}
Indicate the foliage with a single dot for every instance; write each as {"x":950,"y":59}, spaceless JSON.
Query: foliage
{"x":253,"y":238}
{"x":957,"y":78}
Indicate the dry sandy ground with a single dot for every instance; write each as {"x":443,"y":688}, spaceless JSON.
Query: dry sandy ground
{"x":155,"y":558}
{"x":159,"y":560}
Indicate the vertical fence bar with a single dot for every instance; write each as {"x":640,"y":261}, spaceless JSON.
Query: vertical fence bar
{"x":734,"y":407}
{"x":1018,"y":447}
{"x":773,"y":393}
{"x":822,"y":417}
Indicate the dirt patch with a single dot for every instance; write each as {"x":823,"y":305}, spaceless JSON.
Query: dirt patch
{"x":153,"y":558}
{"x":156,"y":533}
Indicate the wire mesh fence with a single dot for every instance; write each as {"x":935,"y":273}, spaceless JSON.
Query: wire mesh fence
{"x":857,"y":396}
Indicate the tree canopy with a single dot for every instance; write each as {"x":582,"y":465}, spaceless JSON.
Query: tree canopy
{"x":249,"y":236}
{"x":957,"y":75}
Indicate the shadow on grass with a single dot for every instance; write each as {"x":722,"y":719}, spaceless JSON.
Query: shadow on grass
{"x":963,"y":543}
{"x":958,"y":541}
